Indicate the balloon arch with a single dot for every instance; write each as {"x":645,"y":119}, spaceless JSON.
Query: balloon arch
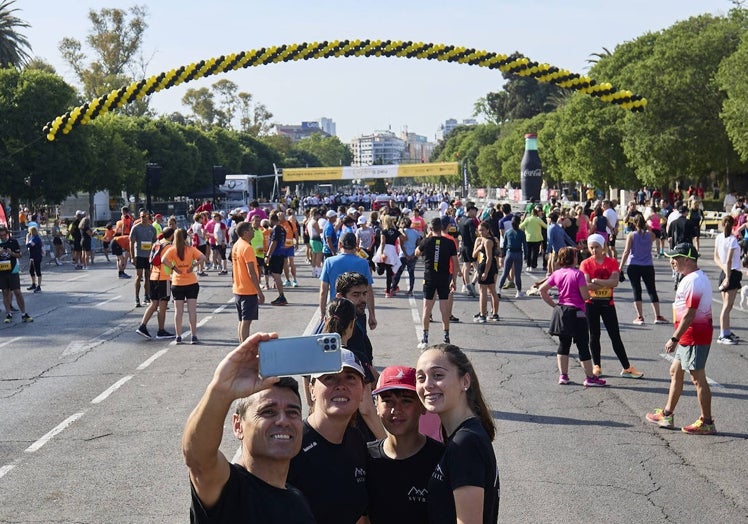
{"x":511,"y":64}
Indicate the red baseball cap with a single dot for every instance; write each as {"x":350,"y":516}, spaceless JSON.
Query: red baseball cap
{"x":396,"y":377}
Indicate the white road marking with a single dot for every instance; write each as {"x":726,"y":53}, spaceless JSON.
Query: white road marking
{"x":219,"y":309}
{"x":313,"y":323}
{"x":416,"y":315}
{"x":6,"y":469}
{"x":713,"y":383}
{"x":152,"y":359}
{"x":111,"y":389}
{"x":8,"y":342}
{"x":75,"y":278}
{"x":107,"y":301}
{"x":57,"y":429}
{"x":203,"y":321}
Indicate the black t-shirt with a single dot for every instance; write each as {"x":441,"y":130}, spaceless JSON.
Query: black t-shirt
{"x":279,"y":236}
{"x":397,"y":488}
{"x":246,"y":498}
{"x":390,"y":236}
{"x":13,"y":246}
{"x":437,"y":252}
{"x":467,"y":232}
{"x":332,"y":477}
{"x":468,"y":460}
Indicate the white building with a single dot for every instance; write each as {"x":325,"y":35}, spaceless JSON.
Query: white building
{"x":378,"y":148}
{"x":451,"y":123}
{"x":327,"y":125}
{"x":417,"y":148}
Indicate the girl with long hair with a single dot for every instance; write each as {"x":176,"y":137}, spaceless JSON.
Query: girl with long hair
{"x":34,"y":245}
{"x":485,"y":252}
{"x":641,"y":267}
{"x":465,"y":484}
{"x":183,"y":261}
{"x":727,"y":258}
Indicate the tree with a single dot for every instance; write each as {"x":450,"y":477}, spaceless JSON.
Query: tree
{"x":522,"y":97}
{"x":116,"y":40}
{"x":30,"y":167}
{"x":13,"y":45}
{"x":732,"y":78}
{"x":329,"y":150}
{"x":203,"y":107}
{"x":254,"y":117}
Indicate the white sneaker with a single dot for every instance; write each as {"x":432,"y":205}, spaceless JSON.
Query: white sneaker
{"x":519,"y":294}
{"x":727,"y":341}
{"x":528,"y":270}
{"x":423,"y":344}
{"x":464,"y":289}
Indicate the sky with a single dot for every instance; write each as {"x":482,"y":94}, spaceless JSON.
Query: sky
{"x":362,"y":94}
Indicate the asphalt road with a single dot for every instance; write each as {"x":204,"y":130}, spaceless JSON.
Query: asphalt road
{"x":91,"y":414}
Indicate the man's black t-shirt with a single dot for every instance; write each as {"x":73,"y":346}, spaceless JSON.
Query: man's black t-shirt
{"x":332,"y":477}
{"x":467,"y":232}
{"x":8,"y":263}
{"x":397,"y":488}
{"x":246,"y":498}
{"x":437,"y":252}
{"x":468,"y":460}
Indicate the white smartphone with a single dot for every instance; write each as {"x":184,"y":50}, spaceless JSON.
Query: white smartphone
{"x":303,"y":355}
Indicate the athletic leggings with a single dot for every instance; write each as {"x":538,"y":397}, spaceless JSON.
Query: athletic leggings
{"x":597,"y":309}
{"x":35,"y":268}
{"x":638,"y":273}
{"x":581,"y":337}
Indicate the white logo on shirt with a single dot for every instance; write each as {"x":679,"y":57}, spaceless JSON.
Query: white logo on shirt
{"x":359,"y":474}
{"x":310,"y":446}
{"x":417,"y":495}
{"x":438,"y":473}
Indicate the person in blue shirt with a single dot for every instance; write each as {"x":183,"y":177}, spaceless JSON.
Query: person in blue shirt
{"x":408,"y":257}
{"x":557,"y":238}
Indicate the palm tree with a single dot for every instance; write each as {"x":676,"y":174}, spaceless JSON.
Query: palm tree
{"x":13,"y":45}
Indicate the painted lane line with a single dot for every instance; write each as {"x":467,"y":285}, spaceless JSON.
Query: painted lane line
{"x":203,"y":321}
{"x":75,"y":278}
{"x":712,"y":383}
{"x":231,"y":300}
{"x":219,"y":309}
{"x":152,"y":359}
{"x":8,"y":342}
{"x":416,"y":315}
{"x":57,"y":429}
{"x":313,"y":323}
{"x":6,"y":469}
{"x":107,"y":301}
{"x":111,"y":389}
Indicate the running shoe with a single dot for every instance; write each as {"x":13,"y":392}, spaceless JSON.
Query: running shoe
{"x":193,"y":340}
{"x":32,"y":287}
{"x":726,"y":340}
{"x":178,"y":340}
{"x":494,"y":318}
{"x":293,"y":283}
{"x":700,"y":428}
{"x":446,"y":339}
{"x":27,"y":318}
{"x":733,"y":336}
{"x":162,"y":333}
{"x":631,"y":372}
{"x":423,"y":344}
{"x":480,"y":319}
{"x":224,"y":272}
{"x":639,"y":321}
{"x":661,"y":320}
{"x":563,"y":379}
{"x":387,"y":295}
{"x":597,"y":371}
{"x":280,"y":301}
{"x":143,"y":331}
{"x":137,"y":303}
{"x":519,"y":294}
{"x":454,"y":319}
{"x":8,"y":318}
{"x":202,"y":274}
{"x":659,"y":418}
{"x":593,"y":382}
{"x":38,"y":289}
{"x":287,"y":283}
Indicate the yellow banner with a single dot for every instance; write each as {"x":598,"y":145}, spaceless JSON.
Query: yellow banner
{"x":319,"y":174}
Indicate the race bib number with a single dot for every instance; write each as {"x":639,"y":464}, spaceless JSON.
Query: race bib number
{"x":146,"y":246}
{"x":606,"y":292}
{"x":5,"y":265}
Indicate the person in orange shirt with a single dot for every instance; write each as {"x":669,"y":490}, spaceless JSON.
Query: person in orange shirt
{"x":159,"y":287}
{"x":246,"y":282}
{"x":121,"y":249}
{"x":182,"y":260}
{"x":107,"y":240}
{"x":291,"y":226}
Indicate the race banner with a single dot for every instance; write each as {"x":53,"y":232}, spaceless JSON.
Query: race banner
{"x":319,"y":174}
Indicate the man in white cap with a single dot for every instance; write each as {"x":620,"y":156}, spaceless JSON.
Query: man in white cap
{"x":401,"y":464}
{"x":330,"y":235}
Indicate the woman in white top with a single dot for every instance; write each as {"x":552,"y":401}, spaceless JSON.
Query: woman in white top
{"x":727,"y":258}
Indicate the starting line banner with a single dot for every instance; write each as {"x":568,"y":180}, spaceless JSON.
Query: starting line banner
{"x":318,"y":174}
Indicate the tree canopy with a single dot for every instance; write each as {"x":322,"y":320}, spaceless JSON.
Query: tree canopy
{"x":14,"y":47}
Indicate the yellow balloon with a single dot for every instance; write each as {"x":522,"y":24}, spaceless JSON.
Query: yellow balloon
{"x":50,"y":137}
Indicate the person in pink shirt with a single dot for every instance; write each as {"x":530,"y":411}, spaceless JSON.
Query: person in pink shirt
{"x":569,"y":320}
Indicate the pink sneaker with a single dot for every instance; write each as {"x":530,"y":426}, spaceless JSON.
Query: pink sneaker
{"x":594,"y":382}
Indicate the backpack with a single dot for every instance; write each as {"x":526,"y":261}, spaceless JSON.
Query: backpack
{"x":155,"y":257}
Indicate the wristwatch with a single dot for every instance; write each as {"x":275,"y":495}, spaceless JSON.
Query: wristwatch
{"x":676,"y":340}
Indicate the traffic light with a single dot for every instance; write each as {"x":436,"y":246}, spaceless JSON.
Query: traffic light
{"x":153,"y":175}
{"x":219,"y":175}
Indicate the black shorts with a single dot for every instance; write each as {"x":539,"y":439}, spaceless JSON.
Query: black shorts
{"x":185,"y":292}
{"x":247,"y":307}
{"x":117,"y":249}
{"x":159,"y":290}
{"x":260,"y":263}
{"x":11,"y":281}
{"x":438,"y":287}
{"x":142,"y":263}
{"x":203,"y":249}
{"x":106,"y":244}
{"x":612,"y":240}
{"x":86,"y":244}
{"x":466,"y":256}
{"x":276,"y":264}
{"x":735,"y":278}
